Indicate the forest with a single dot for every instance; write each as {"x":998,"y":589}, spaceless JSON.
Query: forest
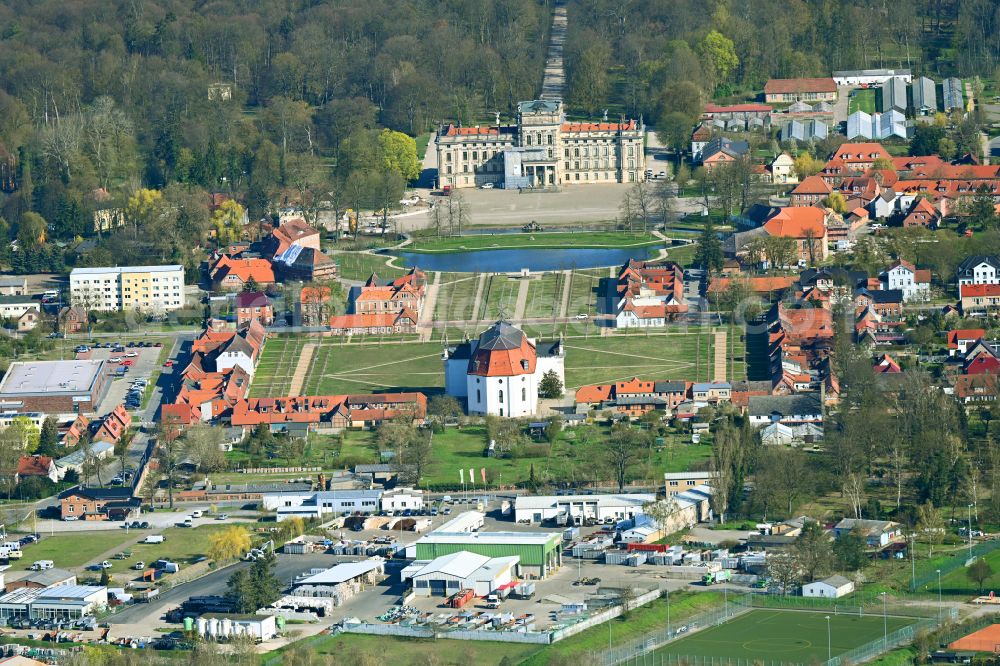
{"x":665,"y":59}
{"x":250,"y":98}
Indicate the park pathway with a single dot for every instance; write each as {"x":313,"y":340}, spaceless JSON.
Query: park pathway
{"x":301,"y":368}
{"x":554,"y":79}
{"x":522,"y":299}
{"x":479,"y":296}
{"x":424,"y":326}
{"x":567,"y":284}
{"x":720,"y":356}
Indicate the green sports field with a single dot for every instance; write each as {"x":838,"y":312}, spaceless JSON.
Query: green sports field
{"x":785,"y":636}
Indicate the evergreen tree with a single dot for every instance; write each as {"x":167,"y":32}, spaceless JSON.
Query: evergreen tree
{"x":551,"y":386}
{"x":709,"y":254}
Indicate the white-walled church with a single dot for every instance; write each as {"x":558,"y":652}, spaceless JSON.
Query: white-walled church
{"x":499,"y":373}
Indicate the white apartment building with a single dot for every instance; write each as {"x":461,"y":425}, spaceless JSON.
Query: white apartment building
{"x":145,"y":288}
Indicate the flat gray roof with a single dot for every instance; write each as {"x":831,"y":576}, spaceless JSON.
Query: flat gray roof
{"x":50,"y":377}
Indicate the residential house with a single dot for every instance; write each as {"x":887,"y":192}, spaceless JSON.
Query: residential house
{"x":98,"y":503}
{"x":804,"y":90}
{"x":960,"y":339}
{"x":29,"y":320}
{"x":722,"y":150}
{"x":782,"y":169}
{"x":13,"y":285}
{"x":877,"y":533}
{"x":700,"y":137}
{"x":787,"y":409}
{"x":376,"y":308}
{"x":979,"y":298}
{"x":231,"y":274}
{"x":811,"y":191}
{"x":76,"y":431}
{"x":73,"y":319}
{"x":807,"y":227}
{"x":922,"y":214}
{"x":982,"y":357}
{"x":42,"y":466}
{"x":833,"y":587}
{"x":253,"y":306}
{"x":291,"y":232}
{"x":904,"y":276}
{"x":886,"y":302}
{"x":711,"y":392}
{"x":886,"y":365}
{"x":976,"y":388}
{"x":649,"y":294}
{"x":114,"y":425}
{"x":314,"y":306}
{"x":979,"y":269}
{"x":242,"y":349}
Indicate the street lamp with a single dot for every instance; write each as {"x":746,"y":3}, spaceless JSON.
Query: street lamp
{"x":885,"y":624}
{"x":829,"y":643}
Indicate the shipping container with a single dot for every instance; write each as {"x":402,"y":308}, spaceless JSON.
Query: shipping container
{"x":635,"y":559}
{"x":615,"y":558}
{"x":647,"y":547}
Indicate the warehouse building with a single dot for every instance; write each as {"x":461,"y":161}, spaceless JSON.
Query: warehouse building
{"x":58,"y":602}
{"x":324,"y":503}
{"x":54,"y":387}
{"x":539,"y":553}
{"x":446,"y":575}
{"x":578,"y":509}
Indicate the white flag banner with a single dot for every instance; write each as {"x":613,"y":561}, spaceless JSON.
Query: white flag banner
{"x":472,"y":476}
{"x":461,"y":475}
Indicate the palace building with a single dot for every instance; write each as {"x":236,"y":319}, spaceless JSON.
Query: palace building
{"x":541,"y":150}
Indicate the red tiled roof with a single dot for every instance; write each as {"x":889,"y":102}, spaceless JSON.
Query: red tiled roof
{"x":599,"y":127}
{"x":780,"y":86}
{"x":738,"y":108}
{"x":964,"y":334}
{"x":259,"y":269}
{"x":979,"y":290}
{"x":812,"y":185}
{"x":593,"y":394}
{"x":471,"y":131}
{"x":760,"y":285}
{"x":797,"y":222}
{"x":34,"y":465}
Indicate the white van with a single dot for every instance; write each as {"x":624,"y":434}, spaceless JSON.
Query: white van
{"x":42,"y":565}
{"x":197,"y":513}
{"x":153,"y":538}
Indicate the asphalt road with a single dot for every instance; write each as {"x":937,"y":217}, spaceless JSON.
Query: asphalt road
{"x":288,"y":566}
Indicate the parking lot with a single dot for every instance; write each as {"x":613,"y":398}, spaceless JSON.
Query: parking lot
{"x":144,"y":362}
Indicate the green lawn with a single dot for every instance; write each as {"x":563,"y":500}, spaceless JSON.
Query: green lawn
{"x":544,"y":239}
{"x":360,"y":265}
{"x":359,"y":648}
{"x":790,"y":636}
{"x":862,"y":100}
{"x":72,"y":550}
{"x":958,"y":582}
{"x":338,"y":367}
{"x":544,"y":296}
{"x":422,"y":140}
{"x":656,"y":356}
{"x":455,"y":299}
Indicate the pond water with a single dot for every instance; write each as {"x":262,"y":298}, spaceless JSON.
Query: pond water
{"x":511,"y":261}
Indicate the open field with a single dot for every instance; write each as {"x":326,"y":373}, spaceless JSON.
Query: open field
{"x":571,"y":458}
{"x":360,"y":265}
{"x":72,"y":550}
{"x":788,"y":636}
{"x":359,"y":367}
{"x":352,"y":648}
{"x":671,"y":356}
{"x":535,"y":240}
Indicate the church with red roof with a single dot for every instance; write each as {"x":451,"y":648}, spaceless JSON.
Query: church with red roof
{"x":499,"y":373}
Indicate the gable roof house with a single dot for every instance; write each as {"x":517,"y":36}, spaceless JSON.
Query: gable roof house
{"x":877,"y":533}
{"x":43,"y":466}
{"x":914,"y":283}
{"x":114,"y":425}
{"x":253,"y":306}
{"x":807,"y":227}
{"x":649,"y":294}
{"x":810,"y":191}
{"x":979,"y":269}
{"x":722,"y":150}
{"x":789,"y":410}
{"x":231,"y":274}
{"x":976,"y":388}
{"x":960,"y":339}
{"x":977,"y":298}
{"x":922,"y":214}
{"x":795,"y":90}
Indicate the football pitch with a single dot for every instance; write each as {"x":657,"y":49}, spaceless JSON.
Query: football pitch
{"x":797,"y":637}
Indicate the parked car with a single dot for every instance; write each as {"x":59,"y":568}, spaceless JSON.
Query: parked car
{"x":105,"y":565}
{"x":127,"y":362}
{"x":131,"y":355}
{"x":222,"y":516}
{"x":139,"y":566}
{"x":115,"y":359}
{"x":168,"y":364}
